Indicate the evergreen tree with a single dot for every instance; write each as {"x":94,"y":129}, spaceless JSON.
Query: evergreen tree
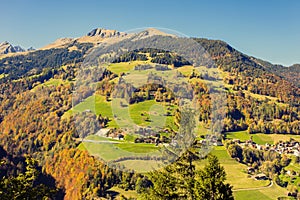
{"x":210,"y":182}
{"x":181,"y":180}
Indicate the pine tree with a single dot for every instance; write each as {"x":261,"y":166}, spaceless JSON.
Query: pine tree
{"x":210,"y":182}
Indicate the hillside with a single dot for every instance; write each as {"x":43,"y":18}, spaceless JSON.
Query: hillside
{"x":45,"y":114}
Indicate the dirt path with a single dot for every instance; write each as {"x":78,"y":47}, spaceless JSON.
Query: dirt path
{"x":258,"y":188}
{"x":101,"y":141}
{"x":97,"y":141}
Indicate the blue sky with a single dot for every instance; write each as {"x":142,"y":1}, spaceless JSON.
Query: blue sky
{"x":266,"y":29}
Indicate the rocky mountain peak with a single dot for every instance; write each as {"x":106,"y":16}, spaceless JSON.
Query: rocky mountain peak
{"x":6,"y":47}
{"x":105,"y":33}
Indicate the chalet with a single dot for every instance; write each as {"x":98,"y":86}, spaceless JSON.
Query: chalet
{"x":103,"y":132}
{"x":250,"y":170}
{"x":260,"y":177}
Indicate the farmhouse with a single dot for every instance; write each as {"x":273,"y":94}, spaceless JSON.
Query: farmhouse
{"x":260,"y":177}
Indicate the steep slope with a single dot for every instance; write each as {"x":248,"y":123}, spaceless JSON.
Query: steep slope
{"x":257,"y":76}
{"x":291,"y":74}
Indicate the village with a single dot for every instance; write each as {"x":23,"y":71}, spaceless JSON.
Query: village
{"x":291,"y":147}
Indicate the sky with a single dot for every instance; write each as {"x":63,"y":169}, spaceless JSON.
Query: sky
{"x":269,"y":30}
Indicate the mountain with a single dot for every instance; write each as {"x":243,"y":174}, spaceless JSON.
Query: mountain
{"x":104,"y":33}
{"x":6,"y":47}
{"x":149,"y":33}
{"x":59,"y":43}
{"x":37,"y":99}
{"x":31,"y":49}
{"x":95,"y":36}
{"x":291,"y":73}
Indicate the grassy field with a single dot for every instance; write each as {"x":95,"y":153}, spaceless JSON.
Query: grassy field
{"x":142,"y":166}
{"x":51,"y":82}
{"x":186,"y":70}
{"x":137,"y":147}
{"x":127,"y":194}
{"x":109,"y":152}
{"x":118,"y":68}
{"x":120,"y":145}
{"x":266,"y":194}
{"x":236,"y":172}
{"x":100,"y":138}
{"x":260,"y":138}
{"x":105,"y":151}
{"x":96,"y":104}
{"x":239,"y":179}
{"x":147,"y":113}
{"x":151,"y":113}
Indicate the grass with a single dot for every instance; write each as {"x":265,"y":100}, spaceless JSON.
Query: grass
{"x":96,"y":104}
{"x":127,"y":194}
{"x":136,"y":111}
{"x":51,"y":82}
{"x":81,"y":147}
{"x":151,"y":113}
{"x":242,"y":135}
{"x":54,"y":82}
{"x":239,"y":179}
{"x":118,"y":68}
{"x":100,"y":138}
{"x":146,"y":113}
{"x":250,"y":195}
{"x":261,"y":138}
{"x":105,"y":151}
{"x":236,"y":172}
{"x":267,"y":193}
{"x":293,"y":164}
{"x":108,"y":151}
{"x":142,"y":166}
{"x":186,"y":70}
{"x":137,"y":147}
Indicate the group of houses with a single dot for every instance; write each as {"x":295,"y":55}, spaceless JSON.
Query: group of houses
{"x":291,"y":147}
{"x":211,"y":139}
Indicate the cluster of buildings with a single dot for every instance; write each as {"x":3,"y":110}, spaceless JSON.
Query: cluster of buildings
{"x":291,"y":147}
{"x":211,"y":139}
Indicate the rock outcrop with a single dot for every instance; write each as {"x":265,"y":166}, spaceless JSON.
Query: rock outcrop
{"x":6,"y":47}
{"x":104,"y":33}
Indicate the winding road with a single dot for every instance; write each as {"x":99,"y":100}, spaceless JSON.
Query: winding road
{"x":258,"y":188}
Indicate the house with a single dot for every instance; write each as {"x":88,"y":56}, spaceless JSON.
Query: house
{"x":297,"y":153}
{"x":121,"y":137}
{"x":260,"y":177}
{"x":250,"y":170}
{"x":103,"y":132}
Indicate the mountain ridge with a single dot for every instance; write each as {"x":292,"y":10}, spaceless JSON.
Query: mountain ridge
{"x":6,"y":47}
{"x":102,"y":35}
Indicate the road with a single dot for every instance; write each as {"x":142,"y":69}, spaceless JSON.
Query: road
{"x":98,"y":141}
{"x":258,"y":188}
